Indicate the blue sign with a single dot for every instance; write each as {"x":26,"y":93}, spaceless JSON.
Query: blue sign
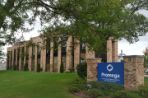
{"x":111,"y":72}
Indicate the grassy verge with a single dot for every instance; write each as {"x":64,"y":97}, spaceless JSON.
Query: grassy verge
{"x":35,"y":85}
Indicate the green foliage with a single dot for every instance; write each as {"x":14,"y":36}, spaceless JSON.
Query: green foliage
{"x":94,"y":93}
{"x":61,"y":68}
{"x":82,"y":70}
{"x":77,"y":85}
{"x":143,"y":91}
{"x":93,"y":21}
{"x":74,"y":90}
{"x":125,"y":94}
{"x":96,"y":20}
{"x":105,"y":88}
{"x":146,"y":61}
{"x":146,"y":57}
{"x":12,"y":18}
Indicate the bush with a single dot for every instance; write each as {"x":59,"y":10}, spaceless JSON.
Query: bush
{"x":143,"y":92}
{"x":61,"y":68}
{"x":125,"y":94}
{"x":79,"y":83}
{"x":82,"y":70}
{"x":94,"y":93}
{"x":73,"y":89}
{"x":106,"y":88}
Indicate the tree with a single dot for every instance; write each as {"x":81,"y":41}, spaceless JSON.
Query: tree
{"x":146,"y":57}
{"x":93,"y":21}
{"x":14,"y":15}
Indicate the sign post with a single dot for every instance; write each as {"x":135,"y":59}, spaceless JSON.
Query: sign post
{"x":111,"y":72}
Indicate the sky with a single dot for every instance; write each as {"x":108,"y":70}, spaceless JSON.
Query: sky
{"x":136,"y":48}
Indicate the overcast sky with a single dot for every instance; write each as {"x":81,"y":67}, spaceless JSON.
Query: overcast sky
{"x":135,"y":48}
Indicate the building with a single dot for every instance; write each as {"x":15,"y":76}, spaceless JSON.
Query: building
{"x":2,"y":65}
{"x":34,"y":55}
{"x":121,"y":55}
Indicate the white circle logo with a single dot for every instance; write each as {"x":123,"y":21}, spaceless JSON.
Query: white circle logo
{"x":110,"y":67}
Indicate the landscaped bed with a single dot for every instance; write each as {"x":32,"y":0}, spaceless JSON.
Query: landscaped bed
{"x":80,"y":87}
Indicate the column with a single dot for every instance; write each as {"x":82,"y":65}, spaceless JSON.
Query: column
{"x":12,"y":64}
{"x":30,"y":58}
{"x":59,"y":57}
{"x":8,"y":53}
{"x":109,"y":49}
{"x":20,"y":59}
{"x":76,"y":53}
{"x":16,"y":54}
{"x":133,"y":72}
{"x":92,"y":64}
{"x":115,"y":51}
{"x":7,"y":59}
{"x":43,"y":59}
{"x":10,"y":59}
{"x":51,"y":56}
{"x":25,"y":56}
{"x":69,"y":54}
{"x":36,"y":57}
{"x":89,"y":53}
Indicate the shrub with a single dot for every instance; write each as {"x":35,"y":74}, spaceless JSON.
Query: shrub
{"x":74,"y":89}
{"x":79,"y":83}
{"x":61,"y":68}
{"x":125,"y":94}
{"x":82,"y":70}
{"x":26,"y":67}
{"x":143,"y":92}
{"x":94,"y":93}
{"x":105,"y":88}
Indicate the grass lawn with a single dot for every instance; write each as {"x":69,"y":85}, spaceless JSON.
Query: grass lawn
{"x":146,"y":82}
{"x":35,"y":85}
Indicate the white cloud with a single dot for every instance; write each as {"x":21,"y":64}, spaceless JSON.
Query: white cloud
{"x":135,"y":48}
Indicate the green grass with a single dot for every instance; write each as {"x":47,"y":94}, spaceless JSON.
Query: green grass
{"x":146,"y":82}
{"x":35,"y":85}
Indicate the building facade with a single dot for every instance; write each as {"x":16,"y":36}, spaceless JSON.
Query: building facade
{"x":34,"y":55}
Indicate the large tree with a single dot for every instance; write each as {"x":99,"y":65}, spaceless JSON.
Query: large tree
{"x":93,"y":21}
{"x":13,"y":16}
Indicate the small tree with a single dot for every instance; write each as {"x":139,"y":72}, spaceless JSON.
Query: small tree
{"x":62,"y":68}
{"x":146,"y":57}
{"x":82,"y":70}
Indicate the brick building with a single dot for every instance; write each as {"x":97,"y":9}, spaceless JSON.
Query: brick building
{"x":33,"y":55}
